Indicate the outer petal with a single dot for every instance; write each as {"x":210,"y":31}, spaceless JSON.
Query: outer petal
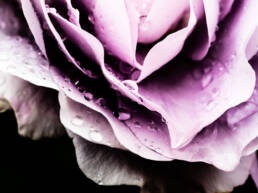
{"x":17,"y":55}
{"x":254,"y":172}
{"x":20,"y":58}
{"x":86,"y":122}
{"x":108,"y":166}
{"x":29,"y":103}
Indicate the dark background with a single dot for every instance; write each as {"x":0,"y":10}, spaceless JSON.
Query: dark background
{"x":49,"y":165}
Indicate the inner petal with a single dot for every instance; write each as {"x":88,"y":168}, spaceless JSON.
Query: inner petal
{"x":154,"y":23}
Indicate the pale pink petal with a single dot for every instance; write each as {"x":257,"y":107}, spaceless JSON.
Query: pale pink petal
{"x":254,"y":172}
{"x":36,"y":11}
{"x":156,"y":23}
{"x":20,"y":58}
{"x":86,"y":122}
{"x":29,"y":103}
{"x":201,"y":96}
{"x":87,"y":43}
{"x":114,"y":27}
{"x":107,"y":166}
{"x":166,"y":49}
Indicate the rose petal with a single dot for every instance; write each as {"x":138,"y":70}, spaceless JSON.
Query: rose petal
{"x":34,"y":24}
{"x":29,"y":103}
{"x":252,"y":46}
{"x":106,"y":24}
{"x":120,"y":129}
{"x":254,"y":172}
{"x":20,"y":58}
{"x":36,"y":13}
{"x":86,"y":122}
{"x":156,"y":23}
{"x":166,"y":49}
{"x":108,"y":166}
{"x":86,"y":42}
{"x":203,"y":96}
{"x":18,"y":55}
{"x":205,"y":31}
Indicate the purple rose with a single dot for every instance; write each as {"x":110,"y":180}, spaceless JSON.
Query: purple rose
{"x":163,"y":79}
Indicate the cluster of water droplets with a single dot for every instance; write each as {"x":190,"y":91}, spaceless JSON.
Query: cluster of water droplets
{"x":94,"y":134}
{"x":147,"y":130}
{"x":19,"y":57}
{"x":203,"y":74}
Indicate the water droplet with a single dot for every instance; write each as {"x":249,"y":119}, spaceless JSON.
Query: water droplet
{"x":96,"y":136}
{"x":211,"y":104}
{"x":123,"y":116}
{"x":132,"y":85}
{"x":158,"y":150}
{"x":163,"y":120}
{"x":91,"y":19}
{"x":77,"y":121}
{"x":88,"y":96}
{"x":144,"y":23}
{"x":141,"y":99}
{"x":233,"y":56}
{"x":152,"y":126}
{"x":81,"y":89}
{"x":221,"y":68}
{"x":101,"y":102}
{"x":206,"y":80}
{"x":76,"y":82}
